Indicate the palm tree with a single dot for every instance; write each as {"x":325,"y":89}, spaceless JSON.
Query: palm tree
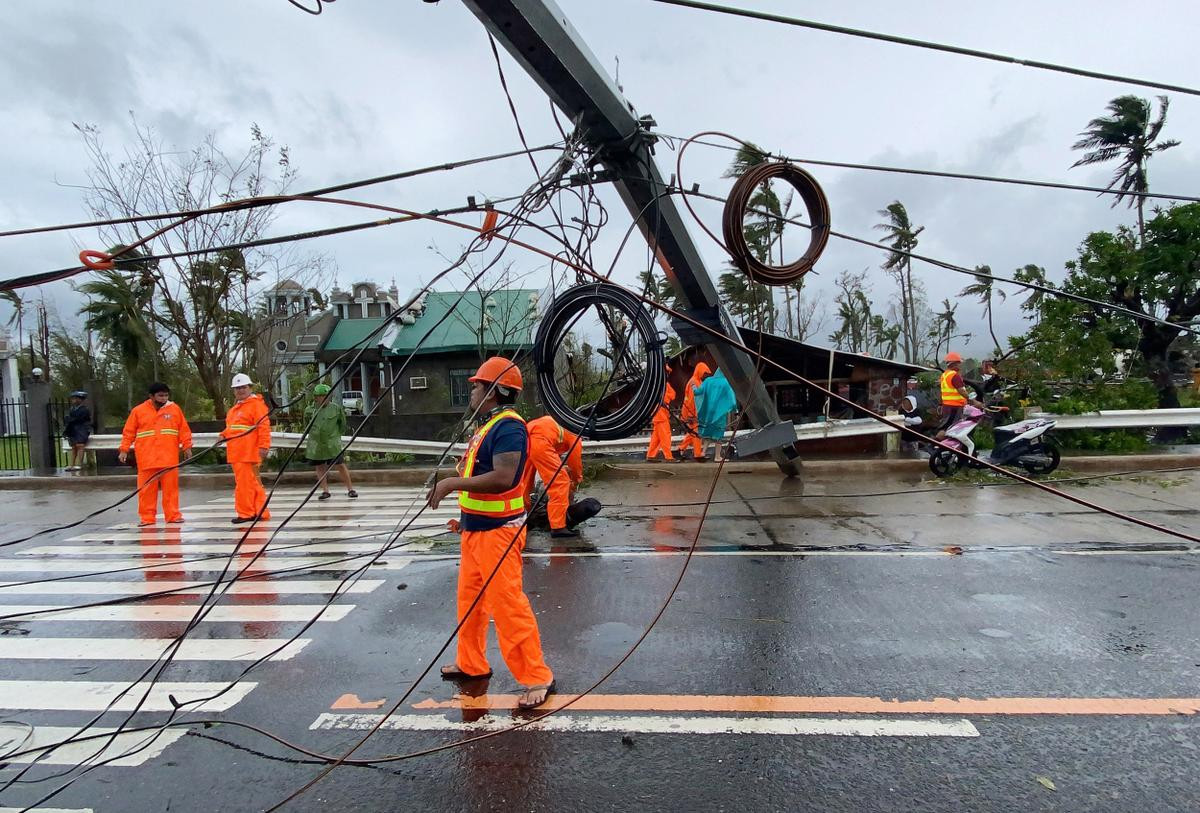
{"x":1033,"y":300}
{"x":944,"y":324}
{"x":903,"y":238}
{"x":116,"y":311}
{"x":18,"y":315}
{"x":1127,"y":134}
{"x":982,"y":288}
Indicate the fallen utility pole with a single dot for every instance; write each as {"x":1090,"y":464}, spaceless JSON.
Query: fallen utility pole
{"x":536,"y":33}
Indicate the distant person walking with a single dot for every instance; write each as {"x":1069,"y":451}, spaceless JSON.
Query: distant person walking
{"x":687,"y":413}
{"x":247,"y":437}
{"x":324,"y":449}
{"x":714,"y":402}
{"x":77,"y":428}
{"x":157,"y":432}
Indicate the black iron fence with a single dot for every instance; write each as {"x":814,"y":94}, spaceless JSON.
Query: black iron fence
{"x":14,"y":437}
{"x":14,"y":433}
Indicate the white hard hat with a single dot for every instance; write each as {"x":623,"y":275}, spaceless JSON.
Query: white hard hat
{"x":241,"y":380}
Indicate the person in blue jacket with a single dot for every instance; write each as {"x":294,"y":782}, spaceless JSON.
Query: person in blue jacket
{"x":77,"y":428}
{"x":714,"y":401}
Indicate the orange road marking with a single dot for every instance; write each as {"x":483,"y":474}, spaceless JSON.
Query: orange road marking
{"x":840,"y":705}
{"x":351,"y":701}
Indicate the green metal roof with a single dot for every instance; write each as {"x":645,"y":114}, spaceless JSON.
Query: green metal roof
{"x":352,"y":334}
{"x":511,"y":316}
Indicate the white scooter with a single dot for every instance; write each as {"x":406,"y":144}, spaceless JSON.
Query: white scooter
{"x":1025,"y":444}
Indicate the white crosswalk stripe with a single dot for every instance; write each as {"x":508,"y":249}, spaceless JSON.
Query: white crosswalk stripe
{"x":241,"y":613}
{"x":148,"y":649}
{"x":158,"y":574}
{"x":246,"y":549}
{"x":191,"y":564}
{"x":91,"y":695}
{"x":253,"y":587}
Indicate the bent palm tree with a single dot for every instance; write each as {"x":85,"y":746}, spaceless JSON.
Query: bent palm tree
{"x":116,"y":311}
{"x":983,"y":288}
{"x":1127,"y":134}
{"x":902,"y":238}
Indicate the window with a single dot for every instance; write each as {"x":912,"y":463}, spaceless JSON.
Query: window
{"x":308,"y":341}
{"x":460,"y":387}
{"x":418,"y":383}
{"x":281,"y":345}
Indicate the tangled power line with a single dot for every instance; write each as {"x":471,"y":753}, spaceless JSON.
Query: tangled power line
{"x":574,"y":240}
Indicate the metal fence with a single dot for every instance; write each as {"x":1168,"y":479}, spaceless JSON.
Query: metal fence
{"x":14,"y":437}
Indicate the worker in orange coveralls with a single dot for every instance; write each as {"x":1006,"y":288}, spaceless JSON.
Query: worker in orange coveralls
{"x":247,"y":443}
{"x":687,"y":414}
{"x":492,"y":505}
{"x":157,"y":432}
{"x":660,"y":424}
{"x":548,"y":442}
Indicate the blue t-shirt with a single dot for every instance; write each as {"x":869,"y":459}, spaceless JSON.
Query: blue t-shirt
{"x":508,"y":435}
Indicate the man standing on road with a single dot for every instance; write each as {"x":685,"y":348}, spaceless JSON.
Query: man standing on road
{"x":491,"y":499}
{"x":687,"y":413}
{"x":247,"y":443}
{"x":324,"y":449}
{"x":548,"y":442}
{"x":157,"y":431}
{"x":954,"y":394}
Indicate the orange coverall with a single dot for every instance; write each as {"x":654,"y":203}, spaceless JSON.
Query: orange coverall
{"x":247,"y":430}
{"x":548,"y":442}
{"x":504,"y":601}
{"x":156,"y":435}
{"x":687,"y":413}
{"x":660,"y":427}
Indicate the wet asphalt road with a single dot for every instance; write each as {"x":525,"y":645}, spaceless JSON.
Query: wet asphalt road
{"x":796,"y":601}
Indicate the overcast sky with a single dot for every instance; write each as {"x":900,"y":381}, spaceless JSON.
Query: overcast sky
{"x":374,"y":86}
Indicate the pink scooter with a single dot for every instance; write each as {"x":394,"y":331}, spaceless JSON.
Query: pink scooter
{"x":1026,"y":444}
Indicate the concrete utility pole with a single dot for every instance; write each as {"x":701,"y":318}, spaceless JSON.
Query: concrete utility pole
{"x":536,"y":33}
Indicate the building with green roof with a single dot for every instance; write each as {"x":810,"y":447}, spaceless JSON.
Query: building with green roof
{"x":429,"y":350}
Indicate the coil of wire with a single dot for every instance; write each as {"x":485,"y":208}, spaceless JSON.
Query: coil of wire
{"x":628,"y":416}
{"x":734,"y":216}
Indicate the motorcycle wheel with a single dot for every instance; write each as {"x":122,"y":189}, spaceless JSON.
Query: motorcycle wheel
{"x":943,"y":463}
{"x":1043,"y":466}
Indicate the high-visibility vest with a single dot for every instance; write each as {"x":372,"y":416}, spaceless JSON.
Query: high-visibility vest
{"x":506,"y":504}
{"x":951,"y":396}
{"x":156,"y":434}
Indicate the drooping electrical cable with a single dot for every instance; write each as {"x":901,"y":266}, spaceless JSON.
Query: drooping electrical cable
{"x":259,"y":553}
{"x":919,"y":43}
{"x":935,"y":173}
{"x":686,"y":194}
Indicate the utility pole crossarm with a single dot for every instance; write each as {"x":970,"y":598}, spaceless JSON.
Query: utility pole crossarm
{"x":537,"y":34}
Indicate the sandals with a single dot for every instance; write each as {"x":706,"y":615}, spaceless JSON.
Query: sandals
{"x":546,"y":689}
{"x":352,"y":494}
{"x":324,"y":495}
{"x":452,"y":672}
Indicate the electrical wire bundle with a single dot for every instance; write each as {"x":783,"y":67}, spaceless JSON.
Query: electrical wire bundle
{"x":628,"y":417}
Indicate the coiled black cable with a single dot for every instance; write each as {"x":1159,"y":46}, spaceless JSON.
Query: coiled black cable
{"x":627,"y":418}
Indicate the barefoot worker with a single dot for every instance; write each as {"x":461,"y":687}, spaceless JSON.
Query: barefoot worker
{"x":491,"y":499}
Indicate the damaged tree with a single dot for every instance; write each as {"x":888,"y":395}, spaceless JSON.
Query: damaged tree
{"x":201,"y":305}
{"x":1159,"y":277}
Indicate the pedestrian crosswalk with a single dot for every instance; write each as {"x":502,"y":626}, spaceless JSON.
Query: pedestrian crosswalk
{"x":114,"y":599}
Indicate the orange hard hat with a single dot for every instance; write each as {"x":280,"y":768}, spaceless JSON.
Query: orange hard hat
{"x":501,"y":371}
{"x":952,"y":356}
